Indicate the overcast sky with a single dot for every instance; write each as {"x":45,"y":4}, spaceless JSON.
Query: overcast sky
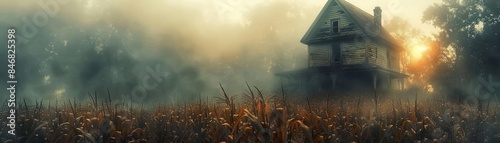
{"x":407,"y":9}
{"x":410,"y":10}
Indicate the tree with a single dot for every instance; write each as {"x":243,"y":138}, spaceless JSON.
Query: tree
{"x":471,"y":28}
{"x":409,"y":37}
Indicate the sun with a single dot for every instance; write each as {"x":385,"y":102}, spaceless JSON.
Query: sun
{"x":417,"y":52}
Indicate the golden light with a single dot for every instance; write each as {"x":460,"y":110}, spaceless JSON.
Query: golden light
{"x":417,"y":52}
{"x":429,"y":88}
{"x":58,"y":93}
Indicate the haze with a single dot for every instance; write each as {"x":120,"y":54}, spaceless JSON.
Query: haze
{"x":96,"y":45}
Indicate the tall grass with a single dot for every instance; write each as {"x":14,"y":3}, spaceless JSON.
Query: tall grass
{"x":251,"y":118}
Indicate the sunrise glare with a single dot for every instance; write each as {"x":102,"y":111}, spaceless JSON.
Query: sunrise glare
{"x":417,"y":52}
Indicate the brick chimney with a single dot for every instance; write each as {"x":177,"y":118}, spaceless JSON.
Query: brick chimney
{"x":377,"y":17}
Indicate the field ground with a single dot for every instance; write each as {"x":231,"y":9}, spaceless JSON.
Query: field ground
{"x":254,"y":117}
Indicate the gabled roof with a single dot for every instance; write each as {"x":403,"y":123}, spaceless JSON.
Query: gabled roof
{"x":361,"y":19}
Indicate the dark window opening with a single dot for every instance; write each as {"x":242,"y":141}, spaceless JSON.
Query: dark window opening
{"x":335,"y":27}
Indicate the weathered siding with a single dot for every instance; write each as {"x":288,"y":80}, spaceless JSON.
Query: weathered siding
{"x":323,"y":29}
{"x":394,"y":60}
{"x":352,"y":53}
{"x":320,"y":55}
{"x":377,"y":55}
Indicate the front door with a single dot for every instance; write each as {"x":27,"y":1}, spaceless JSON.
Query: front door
{"x":336,"y":56}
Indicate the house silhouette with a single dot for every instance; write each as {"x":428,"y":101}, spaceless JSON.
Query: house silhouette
{"x":348,"y":50}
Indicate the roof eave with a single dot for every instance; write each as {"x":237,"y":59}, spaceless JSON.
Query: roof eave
{"x":304,"y":39}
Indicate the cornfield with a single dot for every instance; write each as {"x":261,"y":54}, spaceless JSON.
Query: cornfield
{"x":256,"y":117}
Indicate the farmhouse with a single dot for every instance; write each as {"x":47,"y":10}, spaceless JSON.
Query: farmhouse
{"x":348,"y":49}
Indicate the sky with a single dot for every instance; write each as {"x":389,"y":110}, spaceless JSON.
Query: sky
{"x":407,"y":9}
{"x":410,"y":10}
{"x":95,"y":45}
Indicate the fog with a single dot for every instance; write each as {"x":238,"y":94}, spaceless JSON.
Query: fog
{"x":66,"y":49}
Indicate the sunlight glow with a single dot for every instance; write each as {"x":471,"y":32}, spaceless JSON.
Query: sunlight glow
{"x":429,"y":88}
{"x":417,"y":52}
{"x":58,"y":93}
{"x":46,"y":79}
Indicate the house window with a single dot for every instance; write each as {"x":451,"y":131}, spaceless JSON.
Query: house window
{"x":335,"y":27}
